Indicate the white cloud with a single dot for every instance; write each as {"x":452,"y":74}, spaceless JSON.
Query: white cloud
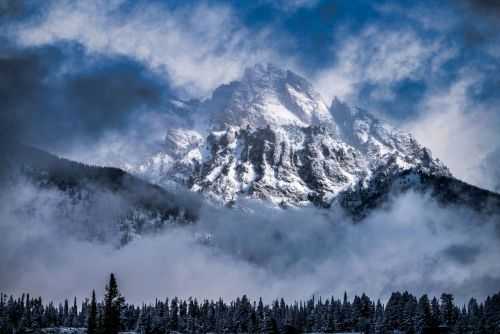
{"x":376,"y":56}
{"x":200,"y":47}
{"x":260,"y":252}
{"x":459,"y":131}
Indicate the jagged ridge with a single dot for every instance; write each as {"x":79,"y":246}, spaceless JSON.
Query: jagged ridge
{"x":271,"y":136}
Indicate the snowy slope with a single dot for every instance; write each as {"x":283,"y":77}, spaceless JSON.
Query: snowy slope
{"x":271,"y":136}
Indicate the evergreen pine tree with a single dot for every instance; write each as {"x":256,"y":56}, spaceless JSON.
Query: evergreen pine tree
{"x":74,"y":315}
{"x":379,"y":318}
{"x":461,"y":325}
{"x":182,"y":316}
{"x":174,"y":315}
{"x":113,"y":302}
{"x":26,"y":314}
{"x":473,"y":312}
{"x":60,"y":315}
{"x":66,"y":314}
{"x":492,"y":314}
{"x":393,"y":312}
{"x":92,"y":319}
{"x":143,"y":323}
{"x":157,"y":320}
{"x":436,"y":313}
{"x":346,"y":314}
{"x":447,"y":309}
{"x":424,"y":315}
{"x":37,"y":314}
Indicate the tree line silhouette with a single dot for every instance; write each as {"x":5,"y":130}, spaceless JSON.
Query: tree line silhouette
{"x":403,"y":312}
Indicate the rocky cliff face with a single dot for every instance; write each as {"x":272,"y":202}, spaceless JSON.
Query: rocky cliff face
{"x":271,"y":136}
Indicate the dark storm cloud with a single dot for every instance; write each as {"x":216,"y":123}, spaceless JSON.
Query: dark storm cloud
{"x":480,"y":20}
{"x":21,"y":88}
{"x":12,"y":10}
{"x":462,"y":254}
{"x":413,"y":91}
{"x":485,"y":8}
{"x":311,"y":29}
{"x":58,"y":93}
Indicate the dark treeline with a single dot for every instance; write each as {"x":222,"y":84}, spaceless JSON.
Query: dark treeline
{"x":403,"y":312}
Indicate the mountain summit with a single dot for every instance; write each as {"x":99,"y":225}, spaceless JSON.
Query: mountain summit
{"x":271,"y":136}
{"x":267,"y":95}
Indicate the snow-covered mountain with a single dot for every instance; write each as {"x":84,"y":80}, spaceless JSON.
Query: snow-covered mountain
{"x":271,"y":136}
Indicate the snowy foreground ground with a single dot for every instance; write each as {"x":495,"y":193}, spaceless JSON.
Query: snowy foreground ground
{"x":64,"y":330}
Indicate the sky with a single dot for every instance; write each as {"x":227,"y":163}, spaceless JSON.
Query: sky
{"x":76,"y":75}
{"x":72,"y":72}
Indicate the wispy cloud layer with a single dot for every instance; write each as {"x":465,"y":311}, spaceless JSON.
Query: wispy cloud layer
{"x":376,"y":60}
{"x":263,"y":251}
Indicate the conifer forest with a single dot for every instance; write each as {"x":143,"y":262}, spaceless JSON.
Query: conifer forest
{"x":402,"y":313}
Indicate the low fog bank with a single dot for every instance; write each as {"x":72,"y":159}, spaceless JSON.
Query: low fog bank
{"x":412,"y":244}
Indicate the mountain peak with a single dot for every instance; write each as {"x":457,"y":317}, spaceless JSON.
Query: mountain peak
{"x":274,"y":77}
{"x":267,"y":96}
{"x":262,"y":71}
{"x":271,"y":136}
